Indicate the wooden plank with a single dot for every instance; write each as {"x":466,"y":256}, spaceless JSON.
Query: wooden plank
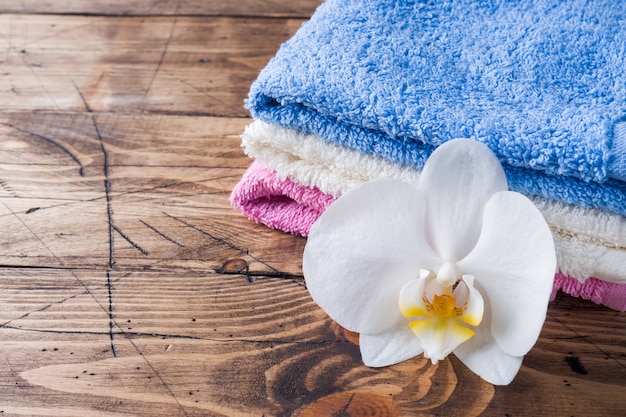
{"x":193,"y":342}
{"x":274,"y":8}
{"x":166,"y":192}
{"x":183,"y":65}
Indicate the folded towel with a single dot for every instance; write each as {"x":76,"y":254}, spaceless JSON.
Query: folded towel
{"x":283,"y":204}
{"x":542,"y":83}
{"x":292,"y":166}
{"x":609,"y":294}
{"x":590,"y":242}
{"x":278,"y":202}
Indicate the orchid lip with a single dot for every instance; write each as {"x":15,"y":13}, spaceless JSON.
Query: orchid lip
{"x":441,"y":316}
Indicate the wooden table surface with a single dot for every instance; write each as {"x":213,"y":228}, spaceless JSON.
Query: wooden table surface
{"x":129,"y":286}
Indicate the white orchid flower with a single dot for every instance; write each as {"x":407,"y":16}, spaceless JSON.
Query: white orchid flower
{"x":456,"y":264}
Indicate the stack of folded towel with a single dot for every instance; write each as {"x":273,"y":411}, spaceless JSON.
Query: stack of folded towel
{"x":369,"y":89}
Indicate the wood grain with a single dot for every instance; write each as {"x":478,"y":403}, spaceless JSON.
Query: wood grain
{"x":185,"y":65}
{"x":129,"y":286}
{"x":254,"y":8}
{"x":167,"y":190}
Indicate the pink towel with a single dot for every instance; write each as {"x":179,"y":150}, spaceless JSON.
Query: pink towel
{"x":606,"y":293}
{"x":285,"y":205}
{"x":278,"y":203}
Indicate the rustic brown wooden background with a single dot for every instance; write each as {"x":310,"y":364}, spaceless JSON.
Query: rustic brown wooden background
{"x":128,"y":285}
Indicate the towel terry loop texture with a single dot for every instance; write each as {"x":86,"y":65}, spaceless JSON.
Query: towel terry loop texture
{"x":542,"y":83}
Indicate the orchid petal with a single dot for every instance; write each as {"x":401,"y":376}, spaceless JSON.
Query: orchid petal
{"x":390,"y":347}
{"x":475,"y":307}
{"x":485,"y":358}
{"x":488,"y":361}
{"x":458,"y":179}
{"x":410,"y":301}
{"x":362,"y":250}
{"x":514,"y":261}
{"x":438,"y":336}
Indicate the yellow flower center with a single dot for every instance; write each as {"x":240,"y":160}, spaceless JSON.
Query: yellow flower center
{"x":443,"y":306}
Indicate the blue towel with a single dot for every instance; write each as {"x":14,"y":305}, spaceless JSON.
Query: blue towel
{"x":541,"y":82}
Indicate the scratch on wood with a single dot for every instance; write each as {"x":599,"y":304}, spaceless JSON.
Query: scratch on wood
{"x":158,"y":375}
{"x":107,"y":194}
{"x":129,"y":240}
{"x":177,"y":183}
{"x":162,"y":57}
{"x":212,"y":236}
{"x":43,"y":86}
{"x":222,"y":241}
{"x":277,"y":274}
{"x":82,"y":97}
{"x":202,"y":91}
{"x":126,"y":334}
{"x":75,"y":158}
{"x":8,"y":189}
{"x":240,"y":267}
{"x":107,"y":189}
{"x":111,"y":317}
{"x":36,"y":236}
{"x":344,"y":411}
{"x":44,"y":308}
{"x":163,"y":235}
{"x":134,"y":335}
